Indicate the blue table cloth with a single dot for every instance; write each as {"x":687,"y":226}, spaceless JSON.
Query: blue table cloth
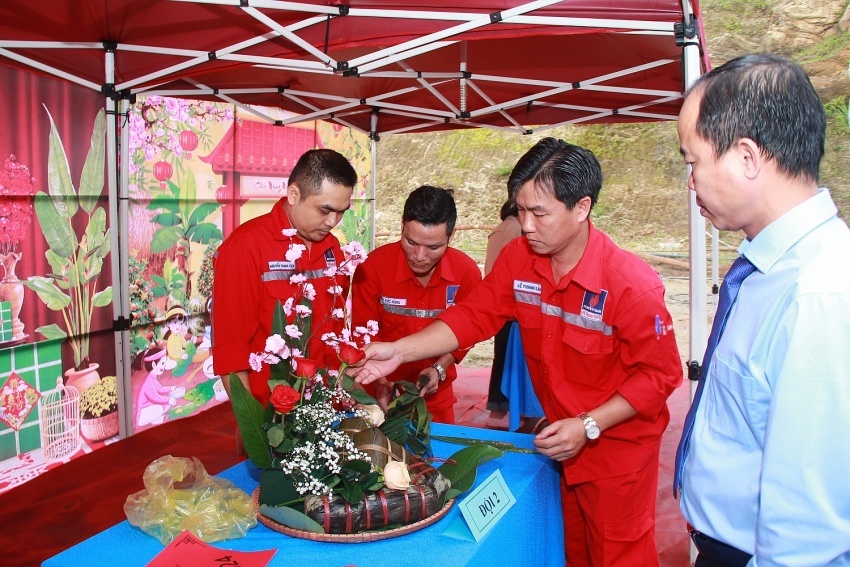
{"x":531,"y":533}
{"x":516,"y":383}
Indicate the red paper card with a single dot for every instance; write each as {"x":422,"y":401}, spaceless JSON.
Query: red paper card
{"x":186,"y":549}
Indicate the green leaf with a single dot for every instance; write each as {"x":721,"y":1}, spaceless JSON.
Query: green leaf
{"x":276,"y":488}
{"x":362,"y":397}
{"x":58,"y":264}
{"x":52,"y":331}
{"x":275,"y":435}
{"x":292,"y":518}
{"x":166,"y":202}
{"x":56,"y":228}
{"x":201,"y":212}
{"x":249,"y":418}
{"x":187,"y":195}
{"x":166,"y":238}
{"x":52,"y":296}
{"x":91,"y":181}
{"x":102,"y":298}
{"x":96,"y":232}
{"x":203,"y":233}
{"x":166,"y":219}
{"x":356,"y":466}
{"x":461,"y":468}
{"x":59,"y":183}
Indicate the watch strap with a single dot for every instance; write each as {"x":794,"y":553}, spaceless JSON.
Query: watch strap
{"x":440,"y":370}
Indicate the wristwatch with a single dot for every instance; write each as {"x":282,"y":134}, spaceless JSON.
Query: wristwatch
{"x":440,"y":370}
{"x":590,"y":427}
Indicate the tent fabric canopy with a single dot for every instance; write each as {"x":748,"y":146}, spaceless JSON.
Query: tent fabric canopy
{"x":376,"y":66}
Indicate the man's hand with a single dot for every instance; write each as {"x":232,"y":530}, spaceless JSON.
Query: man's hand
{"x":561,"y":440}
{"x":381,"y":360}
{"x":428,"y":381}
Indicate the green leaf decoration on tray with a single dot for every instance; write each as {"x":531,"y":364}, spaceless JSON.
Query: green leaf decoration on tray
{"x":462,"y":467}
{"x":292,"y":518}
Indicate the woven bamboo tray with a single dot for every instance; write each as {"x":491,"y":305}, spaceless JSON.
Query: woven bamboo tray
{"x":362,"y":537}
{"x":100,"y":428}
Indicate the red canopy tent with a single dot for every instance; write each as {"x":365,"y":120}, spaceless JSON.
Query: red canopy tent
{"x":424,"y":65}
{"x":378,"y":66}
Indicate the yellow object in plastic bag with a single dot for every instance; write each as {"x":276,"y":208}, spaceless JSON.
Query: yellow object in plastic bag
{"x":180,"y":495}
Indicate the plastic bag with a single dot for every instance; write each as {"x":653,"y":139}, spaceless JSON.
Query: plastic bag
{"x":180,"y":495}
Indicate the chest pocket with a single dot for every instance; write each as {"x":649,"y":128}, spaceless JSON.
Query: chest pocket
{"x":588,"y":342}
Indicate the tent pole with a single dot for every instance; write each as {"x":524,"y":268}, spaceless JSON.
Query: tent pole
{"x":698,"y":319}
{"x":122,"y":351}
{"x":373,"y":146}
{"x":119,"y":287}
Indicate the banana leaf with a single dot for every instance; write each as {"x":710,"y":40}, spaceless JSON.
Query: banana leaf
{"x":462,"y":467}
{"x":408,"y":421}
{"x":250,"y":417}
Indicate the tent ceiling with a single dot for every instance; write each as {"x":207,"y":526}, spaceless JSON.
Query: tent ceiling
{"x":373,"y":65}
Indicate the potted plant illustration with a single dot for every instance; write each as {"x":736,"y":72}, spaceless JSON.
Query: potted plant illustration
{"x":75,"y":260}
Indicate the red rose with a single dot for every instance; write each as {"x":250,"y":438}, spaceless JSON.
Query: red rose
{"x":284,"y":398}
{"x":306,"y":367}
{"x":349,"y":354}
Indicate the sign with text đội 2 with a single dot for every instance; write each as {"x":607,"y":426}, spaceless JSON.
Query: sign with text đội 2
{"x":486,"y":505}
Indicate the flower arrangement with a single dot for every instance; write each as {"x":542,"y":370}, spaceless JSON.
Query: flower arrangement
{"x":16,"y":198}
{"x":335,"y":463}
{"x":100,"y":399}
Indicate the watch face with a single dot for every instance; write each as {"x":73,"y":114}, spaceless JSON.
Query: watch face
{"x":592,"y":432}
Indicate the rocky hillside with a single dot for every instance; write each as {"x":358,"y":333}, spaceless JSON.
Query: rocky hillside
{"x":643,"y":204}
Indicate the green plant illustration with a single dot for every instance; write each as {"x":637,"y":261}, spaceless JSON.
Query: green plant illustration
{"x":171,"y":284}
{"x":76,"y":261}
{"x":182,"y":222}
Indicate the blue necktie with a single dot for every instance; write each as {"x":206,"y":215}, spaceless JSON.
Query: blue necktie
{"x":740,"y":269}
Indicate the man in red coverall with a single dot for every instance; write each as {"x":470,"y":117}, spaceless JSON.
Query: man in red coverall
{"x":404,"y":285}
{"x":252,"y":270}
{"x":600,"y":349}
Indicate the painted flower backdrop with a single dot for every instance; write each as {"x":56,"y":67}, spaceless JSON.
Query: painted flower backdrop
{"x":16,"y":198}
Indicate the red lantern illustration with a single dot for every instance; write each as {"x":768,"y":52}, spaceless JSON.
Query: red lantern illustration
{"x":162,"y":170}
{"x":188,"y":141}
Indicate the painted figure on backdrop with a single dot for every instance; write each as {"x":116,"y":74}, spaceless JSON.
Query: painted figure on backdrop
{"x":176,"y":345}
{"x":404,"y":285}
{"x":763,"y":461}
{"x":600,"y":349}
{"x":252,"y":269}
{"x":154,"y":400}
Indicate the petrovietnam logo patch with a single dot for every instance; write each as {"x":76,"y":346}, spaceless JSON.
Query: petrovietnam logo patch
{"x":330,"y":259}
{"x":451,"y":292}
{"x":593,"y":304}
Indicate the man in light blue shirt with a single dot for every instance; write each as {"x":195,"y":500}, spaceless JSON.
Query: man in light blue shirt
{"x":766,"y":478}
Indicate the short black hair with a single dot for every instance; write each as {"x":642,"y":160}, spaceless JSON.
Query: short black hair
{"x":315,"y":166}
{"x":769,"y":100}
{"x":431,"y":206}
{"x":569,"y":171}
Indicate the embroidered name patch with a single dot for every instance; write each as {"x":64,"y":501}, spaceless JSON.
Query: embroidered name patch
{"x":281,"y":265}
{"x":528,"y":286}
{"x":451,"y":292}
{"x":398,"y":302}
{"x":592,"y":305}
